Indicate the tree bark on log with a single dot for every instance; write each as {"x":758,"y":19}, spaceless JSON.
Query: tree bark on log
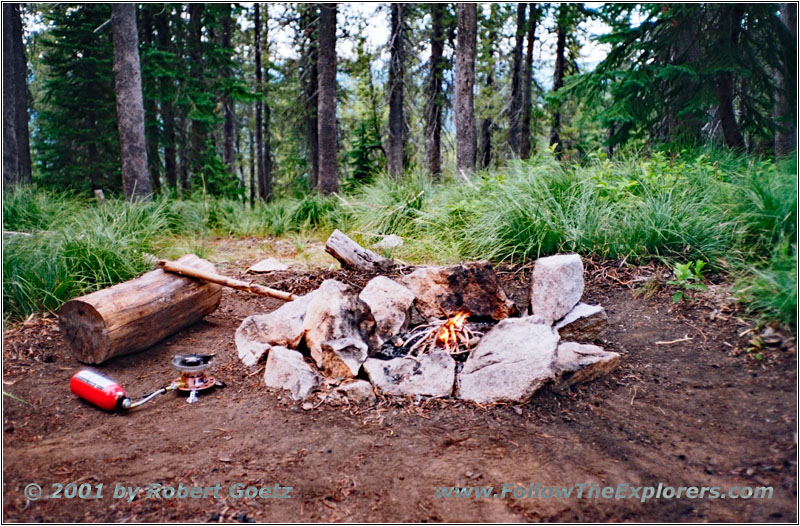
{"x":352,"y":255}
{"x":137,"y":314}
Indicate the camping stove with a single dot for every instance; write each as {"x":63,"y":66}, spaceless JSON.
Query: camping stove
{"x":109,"y":395}
{"x":192,"y":377}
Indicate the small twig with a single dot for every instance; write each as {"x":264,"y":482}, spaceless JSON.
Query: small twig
{"x":684,"y":339}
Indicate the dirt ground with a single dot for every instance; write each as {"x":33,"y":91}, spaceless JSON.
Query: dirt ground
{"x":700,"y":411}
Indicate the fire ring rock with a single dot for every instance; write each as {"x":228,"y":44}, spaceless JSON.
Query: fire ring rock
{"x":556,"y":285}
{"x":431,"y":374}
{"x":510,"y":363}
{"x":444,"y":291}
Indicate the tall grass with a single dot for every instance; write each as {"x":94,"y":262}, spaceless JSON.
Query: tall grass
{"x":736,"y":212}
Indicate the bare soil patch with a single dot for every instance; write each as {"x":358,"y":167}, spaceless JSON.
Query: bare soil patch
{"x":697,"y":412}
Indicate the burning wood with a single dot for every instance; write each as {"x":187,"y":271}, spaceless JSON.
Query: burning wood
{"x":452,"y":335}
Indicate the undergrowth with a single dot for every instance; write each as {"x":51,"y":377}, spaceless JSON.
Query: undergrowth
{"x":736,"y":213}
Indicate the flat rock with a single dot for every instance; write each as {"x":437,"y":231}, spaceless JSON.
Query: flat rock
{"x":390,"y":303}
{"x":444,"y":291}
{"x":431,"y":374}
{"x":342,"y":358}
{"x":510,"y":363}
{"x":583,"y":323}
{"x":389,"y":242}
{"x":556,"y":285}
{"x":283,"y":326}
{"x":336,"y":312}
{"x":580,"y":363}
{"x":286,"y":369}
{"x":268,"y":265}
{"x":357,"y":392}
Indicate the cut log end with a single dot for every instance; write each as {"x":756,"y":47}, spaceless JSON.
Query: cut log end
{"x":84,"y":330}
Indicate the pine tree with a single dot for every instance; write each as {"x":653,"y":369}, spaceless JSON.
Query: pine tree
{"x":326,"y":110}
{"x":465,"y":80}
{"x":130,"y":107}
{"x":16,"y":148}
{"x":396,"y":142}
{"x":435,"y":98}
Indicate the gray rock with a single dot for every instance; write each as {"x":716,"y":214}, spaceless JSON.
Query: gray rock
{"x":286,"y":369}
{"x":268,"y":265}
{"x":357,"y":392}
{"x":389,"y":242}
{"x":583,"y":323}
{"x":342,"y":358}
{"x":283,"y":326}
{"x":556,"y":285}
{"x":336,"y":312}
{"x":431,"y":374}
{"x":444,"y":291}
{"x":579,"y":363}
{"x":510,"y":363}
{"x":390,"y":303}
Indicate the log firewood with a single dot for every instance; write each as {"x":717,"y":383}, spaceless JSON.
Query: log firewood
{"x":352,"y":255}
{"x":136,"y":314}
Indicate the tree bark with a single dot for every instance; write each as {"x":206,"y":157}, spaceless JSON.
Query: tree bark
{"x":435,"y":102}
{"x":130,"y":108}
{"x":465,"y":81}
{"x":198,"y":131}
{"x":786,"y":103}
{"x":165,"y":105}
{"x":396,"y":146}
{"x":487,"y":124}
{"x":259,"y":128}
{"x":731,"y":19}
{"x":150,"y":117}
{"x":515,"y":106}
{"x":309,"y":20}
{"x":229,"y":116}
{"x":137,"y":314}
{"x":326,"y":110}
{"x":266,"y":181}
{"x":16,"y":148}
{"x":527,"y":86}
{"x":558,"y":82}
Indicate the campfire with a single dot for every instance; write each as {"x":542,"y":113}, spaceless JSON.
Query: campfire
{"x":452,"y":335}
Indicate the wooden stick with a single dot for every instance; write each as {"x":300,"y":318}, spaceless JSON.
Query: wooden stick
{"x":183,"y":270}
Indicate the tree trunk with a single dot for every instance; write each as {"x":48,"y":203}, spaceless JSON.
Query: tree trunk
{"x":786,"y":103}
{"x":259,"y":128}
{"x":137,"y":314}
{"x":487,"y":124}
{"x":465,"y":81}
{"x":150,"y":117}
{"x":396,"y":146}
{"x":731,"y":19}
{"x":326,"y":109}
{"x":198,"y":132}
{"x":527,"y":86}
{"x":130,"y":108}
{"x":165,"y":106}
{"x":265,"y":184}
{"x":515,"y":106}
{"x":309,"y":19}
{"x":250,"y":131}
{"x":435,"y":102}
{"x":229,"y":116}
{"x":558,"y":82}
{"x":16,"y":148}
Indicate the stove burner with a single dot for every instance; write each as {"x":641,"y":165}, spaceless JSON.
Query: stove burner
{"x":192,"y":373}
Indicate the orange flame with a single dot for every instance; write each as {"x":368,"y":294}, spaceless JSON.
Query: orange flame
{"x":447,"y":336}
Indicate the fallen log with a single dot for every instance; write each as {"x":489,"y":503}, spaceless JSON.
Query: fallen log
{"x":353,"y":256}
{"x":225,"y":281}
{"x":137,"y":314}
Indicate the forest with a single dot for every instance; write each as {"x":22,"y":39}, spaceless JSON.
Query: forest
{"x":398,"y":252}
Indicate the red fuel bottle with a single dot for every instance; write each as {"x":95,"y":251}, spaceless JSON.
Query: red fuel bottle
{"x":100,"y":390}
